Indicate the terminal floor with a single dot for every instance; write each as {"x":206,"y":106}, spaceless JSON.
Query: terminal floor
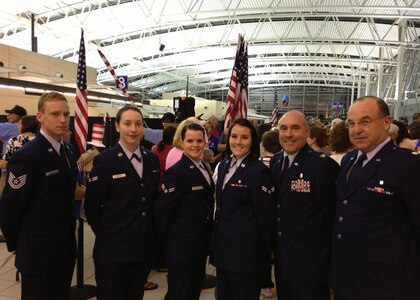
{"x":10,"y":288}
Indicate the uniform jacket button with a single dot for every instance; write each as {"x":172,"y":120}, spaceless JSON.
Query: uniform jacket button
{"x":143,"y":214}
{"x":339,"y":236}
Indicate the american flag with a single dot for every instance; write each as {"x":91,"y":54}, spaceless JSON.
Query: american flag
{"x":237,"y":98}
{"x":275,"y":113}
{"x":81,"y":107}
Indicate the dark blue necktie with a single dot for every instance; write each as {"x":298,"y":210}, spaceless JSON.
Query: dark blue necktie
{"x":355,"y":170}
{"x":285,"y":168}
{"x":63,"y":156}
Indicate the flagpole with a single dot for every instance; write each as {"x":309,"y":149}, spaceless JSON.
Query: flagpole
{"x":81,"y":291}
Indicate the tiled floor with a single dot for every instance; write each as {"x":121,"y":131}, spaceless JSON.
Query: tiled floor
{"x":10,"y":288}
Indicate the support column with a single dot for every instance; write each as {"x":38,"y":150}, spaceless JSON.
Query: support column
{"x":398,"y":82}
{"x":379,"y":92}
{"x":367,"y":90}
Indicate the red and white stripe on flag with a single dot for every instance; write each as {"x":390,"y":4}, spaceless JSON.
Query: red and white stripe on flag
{"x":98,"y":132}
{"x":275,"y":112}
{"x":81,"y":107}
{"x":237,"y":98}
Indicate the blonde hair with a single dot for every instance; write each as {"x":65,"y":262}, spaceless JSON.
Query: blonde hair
{"x":48,"y":97}
{"x":177,"y":141}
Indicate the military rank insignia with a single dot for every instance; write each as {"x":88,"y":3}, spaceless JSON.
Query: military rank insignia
{"x":267,"y":190}
{"x":16,"y":182}
{"x":301,"y":186}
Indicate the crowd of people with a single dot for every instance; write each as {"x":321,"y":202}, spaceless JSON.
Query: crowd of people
{"x":333,"y":207}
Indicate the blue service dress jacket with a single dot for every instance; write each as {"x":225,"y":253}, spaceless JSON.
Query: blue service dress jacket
{"x":244,"y":218}
{"x":305,"y":204}
{"x":36,"y":208}
{"x":184,"y":211}
{"x":118,"y":205}
{"x":376,"y":253}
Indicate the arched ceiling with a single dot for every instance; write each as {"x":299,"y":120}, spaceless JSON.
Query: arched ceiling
{"x":311,"y":43}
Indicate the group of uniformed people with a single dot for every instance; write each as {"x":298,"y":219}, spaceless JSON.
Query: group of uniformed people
{"x":354,"y":229}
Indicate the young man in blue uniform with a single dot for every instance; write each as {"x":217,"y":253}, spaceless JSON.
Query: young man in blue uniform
{"x":36,"y":208}
{"x":376,"y":236}
{"x":305,"y":202}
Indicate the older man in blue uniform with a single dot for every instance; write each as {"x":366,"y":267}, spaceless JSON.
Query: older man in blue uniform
{"x":376,"y":237}
{"x":305,"y":204}
{"x":36,"y":208}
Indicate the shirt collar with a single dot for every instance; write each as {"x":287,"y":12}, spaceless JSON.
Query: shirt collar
{"x":54,"y":143}
{"x":238,"y":161}
{"x":372,"y":153}
{"x":129,"y":154}
{"x":197,"y":164}
{"x":291,"y":156}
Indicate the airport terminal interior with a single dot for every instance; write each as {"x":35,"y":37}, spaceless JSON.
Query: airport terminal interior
{"x":319,"y":56}
{"x":314,"y":56}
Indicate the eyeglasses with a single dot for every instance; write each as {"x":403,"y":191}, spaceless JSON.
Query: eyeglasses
{"x":365,"y":122}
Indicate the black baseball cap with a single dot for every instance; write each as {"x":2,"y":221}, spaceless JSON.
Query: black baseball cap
{"x":168,"y":118}
{"x":19,"y":110}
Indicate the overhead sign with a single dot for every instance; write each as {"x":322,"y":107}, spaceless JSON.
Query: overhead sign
{"x":122,"y":80}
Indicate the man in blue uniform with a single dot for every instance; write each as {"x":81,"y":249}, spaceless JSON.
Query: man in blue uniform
{"x":36,"y":208}
{"x":376,"y":237}
{"x":305,"y":204}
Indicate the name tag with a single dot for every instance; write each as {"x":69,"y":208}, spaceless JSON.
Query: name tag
{"x":238,"y":185}
{"x":116,"y":176}
{"x":197,"y":188}
{"x":51,"y":173}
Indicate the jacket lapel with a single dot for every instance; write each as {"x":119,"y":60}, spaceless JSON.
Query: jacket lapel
{"x":370,"y":169}
{"x":293,"y":170}
{"x":195,"y":172}
{"x":54,"y":156}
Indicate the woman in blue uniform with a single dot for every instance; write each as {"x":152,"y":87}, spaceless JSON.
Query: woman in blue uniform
{"x":184,"y":214}
{"x":120,"y":194}
{"x":244,"y":217}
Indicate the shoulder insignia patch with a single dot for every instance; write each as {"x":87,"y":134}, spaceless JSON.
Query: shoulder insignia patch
{"x":16,"y":182}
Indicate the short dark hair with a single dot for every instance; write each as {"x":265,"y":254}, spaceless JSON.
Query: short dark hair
{"x":338,"y":138}
{"x":320,"y":135}
{"x":255,"y":144}
{"x":193,"y":126}
{"x":270,"y":141}
{"x":167,"y":137}
{"x":402,"y":132}
{"x":29,"y":124}
{"x":126,"y":108}
{"x":382,"y":106}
